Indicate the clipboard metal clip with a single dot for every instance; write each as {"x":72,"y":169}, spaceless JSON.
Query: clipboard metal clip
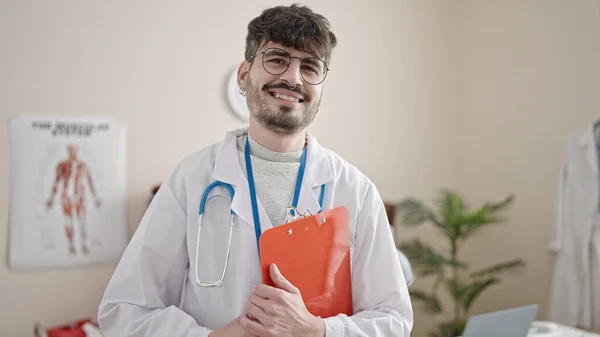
{"x":292,"y":214}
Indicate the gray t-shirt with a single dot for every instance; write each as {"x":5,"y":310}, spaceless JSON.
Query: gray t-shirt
{"x":275,"y":176}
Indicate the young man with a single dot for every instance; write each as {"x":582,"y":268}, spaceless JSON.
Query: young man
{"x":176,"y":281}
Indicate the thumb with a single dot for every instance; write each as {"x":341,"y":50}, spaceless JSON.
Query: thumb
{"x":281,"y":281}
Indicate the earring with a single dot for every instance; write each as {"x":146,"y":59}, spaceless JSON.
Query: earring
{"x":242,"y":92}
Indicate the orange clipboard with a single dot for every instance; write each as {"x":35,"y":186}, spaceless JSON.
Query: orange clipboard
{"x":313,"y":253}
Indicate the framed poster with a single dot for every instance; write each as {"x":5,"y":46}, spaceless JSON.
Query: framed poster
{"x":68,"y":195}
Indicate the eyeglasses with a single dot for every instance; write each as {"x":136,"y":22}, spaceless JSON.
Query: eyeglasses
{"x":276,"y":61}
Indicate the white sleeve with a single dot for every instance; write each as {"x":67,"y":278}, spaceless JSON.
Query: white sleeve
{"x":557,"y":216}
{"x":381,"y":302}
{"x":143,"y":294}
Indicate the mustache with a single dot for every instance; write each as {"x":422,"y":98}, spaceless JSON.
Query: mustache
{"x":287,"y":87}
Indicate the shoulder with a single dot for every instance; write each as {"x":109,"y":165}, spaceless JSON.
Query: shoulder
{"x":188,"y":173}
{"x":202,"y":158}
{"x":63,"y":165}
{"x":576,"y":142}
{"x":197,"y":163}
{"x":342,"y":168}
{"x":349,"y":178}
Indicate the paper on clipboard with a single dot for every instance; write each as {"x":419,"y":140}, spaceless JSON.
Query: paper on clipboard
{"x":313,"y":253}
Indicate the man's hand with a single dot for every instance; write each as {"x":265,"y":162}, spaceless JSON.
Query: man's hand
{"x":232,"y":329}
{"x":280,"y":312}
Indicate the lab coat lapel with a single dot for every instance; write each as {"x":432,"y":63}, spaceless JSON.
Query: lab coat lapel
{"x":227,"y":169}
{"x":588,"y":143}
{"x":317,"y":173}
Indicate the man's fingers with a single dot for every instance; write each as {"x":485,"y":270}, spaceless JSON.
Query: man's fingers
{"x":263,"y":303}
{"x":268,"y":292}
{"x":253,"y":327}
{"x":256,"y":312}
{"x":281,"y":281}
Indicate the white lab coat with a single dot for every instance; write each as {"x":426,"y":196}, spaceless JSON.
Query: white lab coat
{"x":574,"y":236}
{"x":153,"y":291}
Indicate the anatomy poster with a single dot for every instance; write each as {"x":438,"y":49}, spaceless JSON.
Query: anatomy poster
{"x":68,"y":205}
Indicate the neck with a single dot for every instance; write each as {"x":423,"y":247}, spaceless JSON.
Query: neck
{"x":277,"y":142}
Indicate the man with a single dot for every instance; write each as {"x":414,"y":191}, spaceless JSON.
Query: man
{"x":72,"y":175}
{"x":172,"y":279}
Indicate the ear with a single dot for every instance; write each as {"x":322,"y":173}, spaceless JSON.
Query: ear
{"x":242,"y":73}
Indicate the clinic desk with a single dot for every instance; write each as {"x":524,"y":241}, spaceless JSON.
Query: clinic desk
{"x":548,"y":329}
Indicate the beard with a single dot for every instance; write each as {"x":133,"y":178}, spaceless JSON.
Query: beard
{"x":283,"y":120}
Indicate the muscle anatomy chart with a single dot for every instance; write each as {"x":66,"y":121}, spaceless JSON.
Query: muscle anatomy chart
{"x":68,"y":202}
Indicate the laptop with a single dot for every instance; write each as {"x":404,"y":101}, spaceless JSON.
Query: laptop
{"x":514,"y":322}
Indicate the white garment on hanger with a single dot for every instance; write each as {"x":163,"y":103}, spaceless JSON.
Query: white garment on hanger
{"x":595,"y":282}
{"x":575,"y":236}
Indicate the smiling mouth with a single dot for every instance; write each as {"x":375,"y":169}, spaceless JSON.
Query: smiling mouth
{"x":285,"y":97}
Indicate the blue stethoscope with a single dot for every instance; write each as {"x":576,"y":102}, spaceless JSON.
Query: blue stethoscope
{"x":255,"y":214}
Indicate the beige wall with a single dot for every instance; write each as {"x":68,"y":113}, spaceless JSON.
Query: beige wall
{"x":527,"y":73}
{"x":424,"y":94}
{"x":524,"y":75}
{"x":156,"y":64}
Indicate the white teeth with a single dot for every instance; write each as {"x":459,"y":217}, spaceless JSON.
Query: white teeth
{"x":285,"y":97}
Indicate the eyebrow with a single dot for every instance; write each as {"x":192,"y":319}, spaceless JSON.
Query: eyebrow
{"x":278,"y":52}
{"x":311,"y":59}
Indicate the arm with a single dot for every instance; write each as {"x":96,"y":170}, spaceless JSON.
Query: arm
{"x":381,"y":302}
{"x":90,"y":181}
{"x":143,"y":294}
{"x":88,"y":175}
{"x":58,"y":174}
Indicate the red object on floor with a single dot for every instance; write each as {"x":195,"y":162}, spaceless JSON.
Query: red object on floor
{"x":68,"y":330}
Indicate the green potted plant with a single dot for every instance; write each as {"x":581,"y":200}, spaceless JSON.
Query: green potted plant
{"x":457,"y":223}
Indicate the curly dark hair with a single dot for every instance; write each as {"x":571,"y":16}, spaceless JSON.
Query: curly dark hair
{"x":295,"y":27}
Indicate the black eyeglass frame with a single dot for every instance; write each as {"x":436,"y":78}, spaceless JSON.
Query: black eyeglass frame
{"x":288,"y":65}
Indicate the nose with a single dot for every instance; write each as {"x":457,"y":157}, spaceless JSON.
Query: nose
{"x":293,"y":75}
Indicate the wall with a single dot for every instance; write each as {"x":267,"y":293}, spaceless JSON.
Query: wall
{"x":522,"y":76}
{"x":161,"y":67}
{"x":526,"y":74}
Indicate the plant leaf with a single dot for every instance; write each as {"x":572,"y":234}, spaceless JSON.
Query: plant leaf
{"x":486,"y":215}
{"x":425,"y":261}
{"x":495,"y":207}
{"x":456,"y":263}
{"x":430,"y":303}
{"x":414,"y":212}
{"x":474,"y":289}
{"x":452,"y":209}
{"x":498,"y":268}
{"x":471,"y":229}
{"x":456,"y":288}
{"x":478,"y":217}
